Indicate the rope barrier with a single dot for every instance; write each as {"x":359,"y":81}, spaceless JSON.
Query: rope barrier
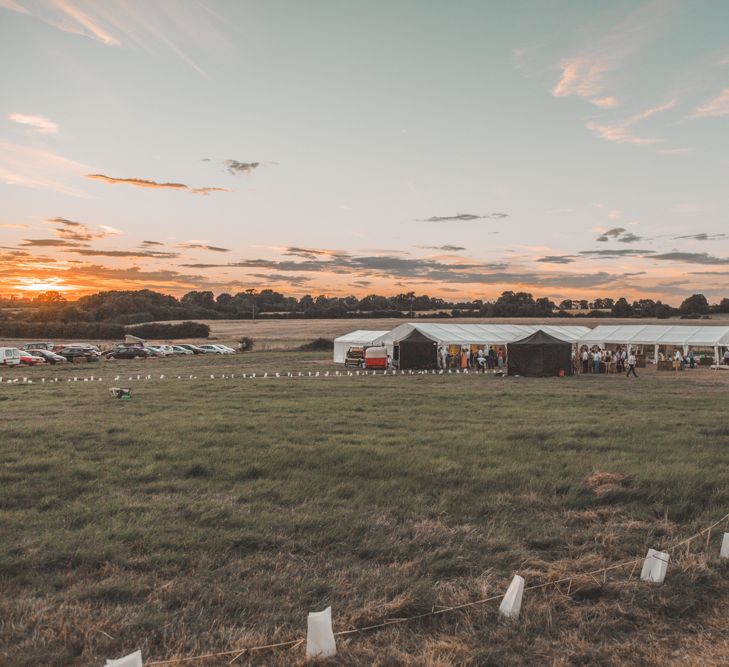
{"x":240,"y":652}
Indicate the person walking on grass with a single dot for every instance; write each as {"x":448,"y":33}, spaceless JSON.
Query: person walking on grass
{"x":677,"y":361}
{"x":631,"y":366}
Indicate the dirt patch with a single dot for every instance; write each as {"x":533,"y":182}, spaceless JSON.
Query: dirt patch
{"x":602,"y":483}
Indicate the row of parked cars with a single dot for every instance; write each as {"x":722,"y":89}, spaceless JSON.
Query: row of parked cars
{"x":33,"y":354}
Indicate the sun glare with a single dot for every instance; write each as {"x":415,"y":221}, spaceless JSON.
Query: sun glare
{"x":44,"y":286}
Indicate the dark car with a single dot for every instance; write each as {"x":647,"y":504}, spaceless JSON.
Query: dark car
{"x":50,"y":357}
{"x":78,"y":354}
{"x":129,"y":352}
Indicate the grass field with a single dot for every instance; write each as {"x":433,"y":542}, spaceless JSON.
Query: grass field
{"x":205,"y":514}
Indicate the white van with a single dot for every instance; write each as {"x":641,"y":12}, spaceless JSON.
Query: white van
{"x":9,"y":356}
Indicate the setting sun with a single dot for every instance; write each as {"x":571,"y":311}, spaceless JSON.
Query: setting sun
{"x":31,"y":285}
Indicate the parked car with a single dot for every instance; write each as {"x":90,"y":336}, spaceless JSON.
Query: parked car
{"x":76,"y":353}
{"x":162,"y":350}
{"x":9,"y":356}
{"x":50,"y":357}
{"x":355,"y":357}
{"x":129,"y":352}
{"x":193,"y":348}
{"x":211,"y":348}
{"x":178,"y":349}
{"x":30,"y":359}
{"x":30,"y":347}
{"x":85,"y":346}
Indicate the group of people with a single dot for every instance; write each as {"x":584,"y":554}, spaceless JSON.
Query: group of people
{"x":621,"y":361}
{"x":480,"y":361}
{"x":604,"y":361}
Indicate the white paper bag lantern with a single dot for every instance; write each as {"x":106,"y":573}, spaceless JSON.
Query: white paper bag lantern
{"x":724,"y":553}
{"x":655,"y":566}
{"x":319,"y":635}
{"x":511,"y":604}
{"x":131,"y":660}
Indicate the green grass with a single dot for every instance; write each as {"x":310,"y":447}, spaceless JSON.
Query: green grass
{"x":203,"y":515}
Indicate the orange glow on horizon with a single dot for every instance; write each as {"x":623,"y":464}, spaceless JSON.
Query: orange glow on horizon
{"x":31,"y":285}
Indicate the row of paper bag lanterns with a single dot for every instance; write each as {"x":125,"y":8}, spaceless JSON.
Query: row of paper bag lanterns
{"x":26,"y":380}
{"x":320,"y":641}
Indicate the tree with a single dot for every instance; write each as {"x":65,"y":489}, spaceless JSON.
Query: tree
{"x":200,"y":299}
{"x":50,"y":297}
{"x":566,"y":304}
{"x":663,"y":311}
{"x":696,"y":303}
{"x":622,"y":308}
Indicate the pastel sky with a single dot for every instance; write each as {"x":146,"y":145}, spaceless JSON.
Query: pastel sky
{"x":571,"y":149}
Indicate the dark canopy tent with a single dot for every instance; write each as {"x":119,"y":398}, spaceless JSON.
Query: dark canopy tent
{"x":418,"y":351}
{"x":539,"y":355}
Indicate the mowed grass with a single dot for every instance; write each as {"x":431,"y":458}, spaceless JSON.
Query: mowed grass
{"x":204,"y":515}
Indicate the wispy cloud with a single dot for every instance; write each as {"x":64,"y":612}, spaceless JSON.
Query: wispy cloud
{"x":702,"y":236}
{"x":202,"y":246}
{"x":39,"y":168}
{"x":443,"y":248}
{"x":37,"y":124}
{"x":463,"y":217}
{"x":605,"y":102}
{"x":9,"y":225}
{"x":180,"y":28}
{"x":590,"y":71}
{"x":610,"y":233}
{"x":14,"y":6}
{"x":581,"y":75}
{"x":83,"y":23}
{"x":557,"y":259}
{"x":94,"y":252}
{"x":71,"y":230}
{"x":622,"y":132}
{"x":155,"y":185}
{"x":234,"y":167}
{"x":719,"y":106}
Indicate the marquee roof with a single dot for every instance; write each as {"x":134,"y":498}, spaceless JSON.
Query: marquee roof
{"x":651,"y":334}
{"x":464,"y":334}
{"x":360,"y":336}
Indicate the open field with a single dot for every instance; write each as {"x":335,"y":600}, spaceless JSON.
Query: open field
{"x":300,"y":330}
{"x":204,"y":514}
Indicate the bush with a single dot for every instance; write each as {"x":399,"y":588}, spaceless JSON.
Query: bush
{"x":317,"y":345}
{"x":245,"y":344}
{"x":691,"y":316}
{"x":170,"y":331}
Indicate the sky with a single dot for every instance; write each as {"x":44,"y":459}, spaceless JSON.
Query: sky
{"x":572,"y":149}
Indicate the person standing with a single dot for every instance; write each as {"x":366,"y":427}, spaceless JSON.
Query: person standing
{"x":596,"y":359}
{"x":631,"y":366}
{"x":677,"y":361}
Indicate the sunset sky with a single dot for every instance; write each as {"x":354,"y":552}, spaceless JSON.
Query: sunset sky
{"x":571,"y":149}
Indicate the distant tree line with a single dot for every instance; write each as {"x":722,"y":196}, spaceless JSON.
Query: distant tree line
{"x":100,"y":330}
{"x":143,"y":306}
